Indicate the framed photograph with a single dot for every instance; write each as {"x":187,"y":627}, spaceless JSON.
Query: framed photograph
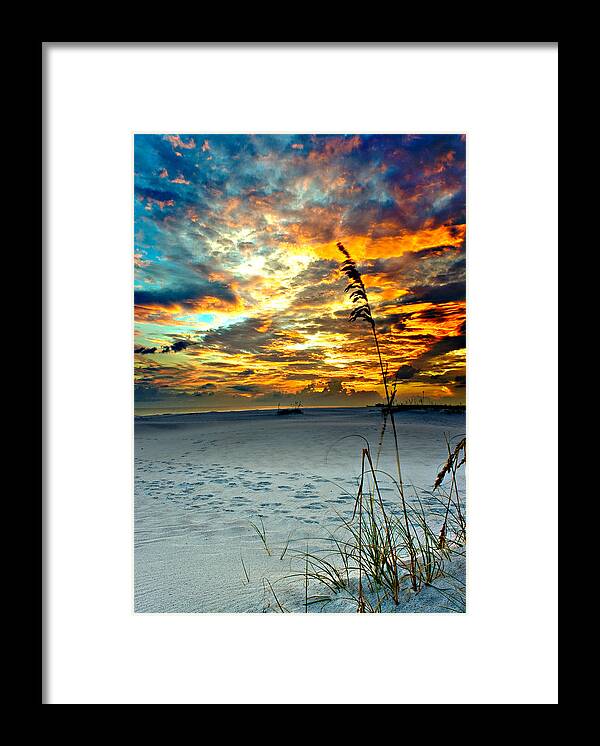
{"x":260,"y":260}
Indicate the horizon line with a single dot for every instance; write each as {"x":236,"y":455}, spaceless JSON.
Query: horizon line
{"x":274,"y":409}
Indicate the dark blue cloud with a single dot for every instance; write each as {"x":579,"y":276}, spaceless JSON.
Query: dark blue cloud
{"x":184,"y":295}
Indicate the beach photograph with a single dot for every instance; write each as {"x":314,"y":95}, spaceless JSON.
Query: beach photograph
{"x":300,"y":380}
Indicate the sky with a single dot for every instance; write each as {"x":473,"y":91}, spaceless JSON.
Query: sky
{"x":239,"y":299}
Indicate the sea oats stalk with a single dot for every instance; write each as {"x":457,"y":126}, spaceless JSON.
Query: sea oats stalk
{"x":451,"y":466}
{"x":361,"y":598}
{"x":362,"y":310}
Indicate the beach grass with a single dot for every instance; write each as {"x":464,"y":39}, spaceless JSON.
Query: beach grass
{"x":262,"y":533}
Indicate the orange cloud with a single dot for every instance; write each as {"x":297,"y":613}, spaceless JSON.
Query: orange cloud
{"x":180,"y":180}
{"x":177,"y":142}
{"x":366,"y":247}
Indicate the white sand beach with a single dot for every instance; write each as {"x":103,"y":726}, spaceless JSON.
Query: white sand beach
{"x":201,"y":480}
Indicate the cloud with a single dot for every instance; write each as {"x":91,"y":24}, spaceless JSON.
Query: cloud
{"x":177,"y":346}
{"x":177,"y":142}
{"x":442,"y":347}
{"x":141,"y":350}
{"x":159,"y":196}
{"x":245,"y":389}
{"x":336,"y":392}
{"x":453,"y":291}
{"x":152,"y":393}
{"x":180,"y":344}
{"x":237,"y":271}
{"x":207,"y":389}
{"x":184,"y":295}
{"x":405,"y":372}
{"x":252,"y":335}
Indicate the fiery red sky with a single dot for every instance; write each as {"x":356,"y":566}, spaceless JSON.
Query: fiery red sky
{"x":239,"y":301}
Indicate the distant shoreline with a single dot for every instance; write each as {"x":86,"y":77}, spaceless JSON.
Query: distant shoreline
{"x":375,"y":407}
{"x":422,"y":407}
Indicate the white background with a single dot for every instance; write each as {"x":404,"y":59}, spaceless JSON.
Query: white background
{"x":503,"y":651}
